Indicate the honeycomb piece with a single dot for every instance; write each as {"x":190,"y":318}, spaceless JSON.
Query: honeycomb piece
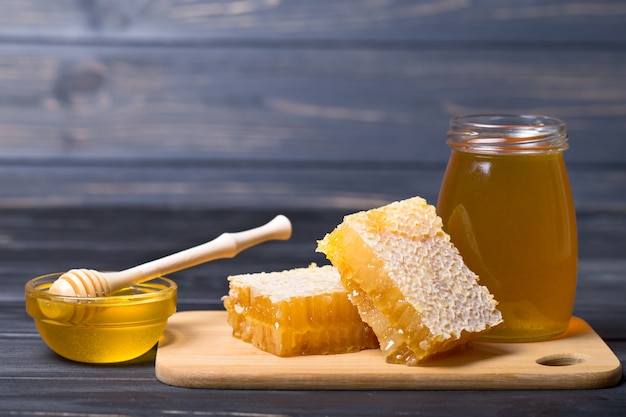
{"x":408,"y":281}
{"x":303,"y":311}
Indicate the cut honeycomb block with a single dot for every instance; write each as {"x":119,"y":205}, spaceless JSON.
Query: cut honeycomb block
{"x":408,"y":280}
{"x":303,"y":311}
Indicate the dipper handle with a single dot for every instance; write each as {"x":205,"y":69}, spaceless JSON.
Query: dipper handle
{"x":226,"y":245}
{"x":90,"y":283}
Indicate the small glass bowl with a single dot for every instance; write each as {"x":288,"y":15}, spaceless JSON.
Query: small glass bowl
{"x":111,"y":329}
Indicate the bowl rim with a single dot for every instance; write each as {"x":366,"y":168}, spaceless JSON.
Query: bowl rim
{"x":32,"y":288}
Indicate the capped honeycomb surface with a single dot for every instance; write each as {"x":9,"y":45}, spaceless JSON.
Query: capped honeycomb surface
{"x":408,"y":280}
{"x":303,"y":311}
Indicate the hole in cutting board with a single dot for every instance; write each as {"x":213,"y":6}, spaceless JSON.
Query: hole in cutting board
{"x":562,"y":359}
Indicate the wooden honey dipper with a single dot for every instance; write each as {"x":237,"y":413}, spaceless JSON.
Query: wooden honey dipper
{"x":91,"y":283}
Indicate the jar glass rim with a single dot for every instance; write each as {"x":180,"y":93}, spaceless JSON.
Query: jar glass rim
{"x":504,"y":133}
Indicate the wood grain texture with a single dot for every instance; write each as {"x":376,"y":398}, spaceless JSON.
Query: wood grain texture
{"x":199,"y":351}
{"x":116,"y":238}
{"x":157,"y":103}
{"x":272,"y":186}
{"x":34,"y":241}
{"x":293,"y":104}
{"x":116,"y":115}
{"x":147,"y":21}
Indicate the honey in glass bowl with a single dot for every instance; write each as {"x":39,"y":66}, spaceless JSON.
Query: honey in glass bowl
{"x":506,"y":202}
{"x":116,"y":328}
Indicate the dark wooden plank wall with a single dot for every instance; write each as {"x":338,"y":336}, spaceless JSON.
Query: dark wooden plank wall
{"x":132,"y":129}
{"x":269,"y":103}
{"x":329,"y":106}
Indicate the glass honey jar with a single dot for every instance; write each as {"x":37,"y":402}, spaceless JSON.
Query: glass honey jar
{"x":506,"y":202}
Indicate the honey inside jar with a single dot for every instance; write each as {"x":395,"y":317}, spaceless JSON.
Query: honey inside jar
{"x":510,"y":213}
{"x":116,"y":328}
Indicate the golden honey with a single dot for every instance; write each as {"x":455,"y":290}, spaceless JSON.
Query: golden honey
{"x":303,"y":311}
{"x":304,"y":326}
{"x":116,"y":328}
{"x":408,"y":281}
{"x":506,"y":202}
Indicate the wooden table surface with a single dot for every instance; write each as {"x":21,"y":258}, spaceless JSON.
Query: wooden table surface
{"x":133,"y":129}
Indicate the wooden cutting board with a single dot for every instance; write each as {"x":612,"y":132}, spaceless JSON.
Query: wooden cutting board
{"x":198,"y":351}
